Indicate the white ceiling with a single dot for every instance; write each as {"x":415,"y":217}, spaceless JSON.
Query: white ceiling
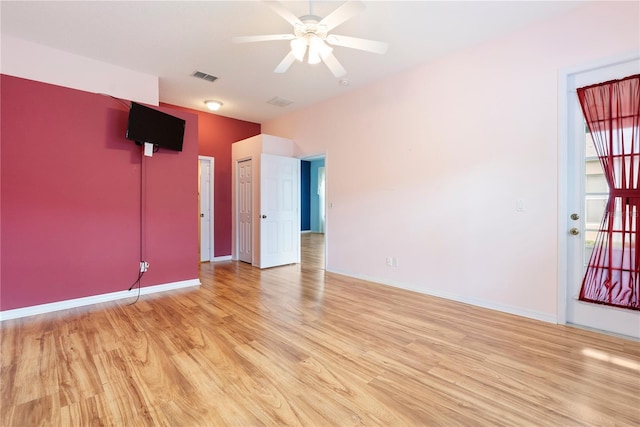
{"x":172,"y":39}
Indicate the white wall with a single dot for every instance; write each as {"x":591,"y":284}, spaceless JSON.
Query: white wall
{"x":34,"y":61}
{"x":427,"y":166}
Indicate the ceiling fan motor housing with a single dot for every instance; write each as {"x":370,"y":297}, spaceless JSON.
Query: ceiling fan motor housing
{"x":311,"y":27}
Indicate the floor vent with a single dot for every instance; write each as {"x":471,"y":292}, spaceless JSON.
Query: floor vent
{"x":279,"y":102}
{"x":204,"y":76}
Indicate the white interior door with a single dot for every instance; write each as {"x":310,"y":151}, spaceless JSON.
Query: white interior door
{"x":587,"y":192}
{"x":280,"y":210}
{"x":244,"y":209}
{"x":205,"y":168}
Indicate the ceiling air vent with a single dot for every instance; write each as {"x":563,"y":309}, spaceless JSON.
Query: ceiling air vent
{"x":279,"y":102}
{"x":204,"y":76}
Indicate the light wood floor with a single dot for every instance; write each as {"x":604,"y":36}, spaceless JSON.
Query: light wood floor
{"x":297,"y":346}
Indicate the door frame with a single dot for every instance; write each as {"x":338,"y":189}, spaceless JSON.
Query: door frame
{"x":211,"y":161}
{"x":563,"y":171}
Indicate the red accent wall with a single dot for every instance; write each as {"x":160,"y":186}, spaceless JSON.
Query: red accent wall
{"x":215,"y":136}
{"x":70,"y":198}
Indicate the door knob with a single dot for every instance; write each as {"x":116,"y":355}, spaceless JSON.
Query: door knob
{"x":202,"y":215}
{"x":574,"y":231}
{"x":263,"y":216}
{"x":575,"y":216}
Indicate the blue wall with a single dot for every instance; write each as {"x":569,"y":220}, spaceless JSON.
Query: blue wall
{"x":309,"y":198}
{"x":314,"y":198}
{"x":305,"y":195}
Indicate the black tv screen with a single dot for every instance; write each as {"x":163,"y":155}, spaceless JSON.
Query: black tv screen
{"x":155,"y":127}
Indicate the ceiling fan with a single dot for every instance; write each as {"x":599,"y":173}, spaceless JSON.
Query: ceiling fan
{"x":311,"y":37}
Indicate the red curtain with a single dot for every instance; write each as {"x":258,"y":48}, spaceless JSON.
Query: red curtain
{"x":612,"y":113}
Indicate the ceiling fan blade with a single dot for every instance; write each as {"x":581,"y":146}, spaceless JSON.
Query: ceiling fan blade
{"x":285,"y":63}
{"x":265,"y":38}
{"x":344,"y":12}
{"x":334,"y":65}
{"x":284,"y":12}
{"x":358,"y":43}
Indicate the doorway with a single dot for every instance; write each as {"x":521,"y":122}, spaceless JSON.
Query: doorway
{"x":581,"y":206}
{"x":313,"y":235}
{"x":205,"y":203}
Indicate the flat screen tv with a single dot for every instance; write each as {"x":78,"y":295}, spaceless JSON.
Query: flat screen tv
{"x":155,"y":127}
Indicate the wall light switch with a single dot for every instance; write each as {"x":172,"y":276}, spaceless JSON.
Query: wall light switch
{"x":520,"y":205}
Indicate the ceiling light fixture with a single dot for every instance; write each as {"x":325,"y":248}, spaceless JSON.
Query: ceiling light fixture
{"x":312,"y":38}
{"x":318,"y":50}
{"x":298,"y":48}
{"x":213,"y":105}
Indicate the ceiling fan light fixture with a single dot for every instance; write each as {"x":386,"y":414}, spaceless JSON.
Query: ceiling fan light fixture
{"x":213,"y":105}
{"x":318,"y":50}
{"x":314,"y":56}
{"x":298,"y":48}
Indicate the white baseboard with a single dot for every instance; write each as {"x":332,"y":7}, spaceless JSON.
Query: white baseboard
{"x":94,"y":299}
{"x":518,"y":311}
{"x":222,"y":258}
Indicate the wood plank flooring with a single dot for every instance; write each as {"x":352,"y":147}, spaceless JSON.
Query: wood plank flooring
{"x":297,"y":346}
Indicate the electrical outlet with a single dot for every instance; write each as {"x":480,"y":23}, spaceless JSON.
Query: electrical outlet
{"x":389,"y":261}
{"x":144,"y":266}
